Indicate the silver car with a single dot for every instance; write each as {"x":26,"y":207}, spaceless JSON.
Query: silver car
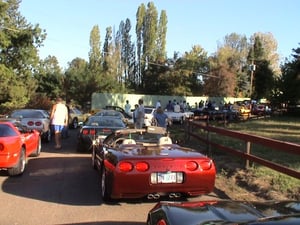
{"x":37,"y":119}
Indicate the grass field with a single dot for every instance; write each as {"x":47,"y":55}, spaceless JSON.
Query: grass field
{"x":278,"y":127}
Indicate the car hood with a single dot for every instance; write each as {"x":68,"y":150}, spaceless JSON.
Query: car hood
{"x":227,"y":212}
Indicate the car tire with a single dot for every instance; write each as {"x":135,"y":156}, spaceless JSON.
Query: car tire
{"x":74,"y":124}
{"x":47,"y":136}
{"x":105,"y":192}
{"x":37,"y":152}
{"x":20,"y":166}
{"x":181,"y":120}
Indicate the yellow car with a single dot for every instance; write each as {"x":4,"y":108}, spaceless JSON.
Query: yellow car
{"x":76,"y":117}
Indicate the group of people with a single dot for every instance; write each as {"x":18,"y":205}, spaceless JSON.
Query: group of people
{"x":139,"y":114}
{"x":60,"y":113}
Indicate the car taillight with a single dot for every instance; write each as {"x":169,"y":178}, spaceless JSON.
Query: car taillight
{"x":191,"y":165}
{"x":161,"y":222}
{"x":125,"y":166}
{"x":30,"y":123}
{"x":1,"y":147}
{"x":206,"y":165}
{"x":142,"y":166}
{"x":38,"y":123}
{"x":85,"y":132}
{"x":92,"y":132}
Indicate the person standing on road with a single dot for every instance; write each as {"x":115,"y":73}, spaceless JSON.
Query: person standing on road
{"x":127,"y":107}
{"x":161,"y":118}
{"x":140,"y":115}
{"x":59,"y":119}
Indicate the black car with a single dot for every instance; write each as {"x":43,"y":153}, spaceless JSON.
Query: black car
{"x":97,"y":127}
{"x":225,"y":212}
{"x":119,"y":109}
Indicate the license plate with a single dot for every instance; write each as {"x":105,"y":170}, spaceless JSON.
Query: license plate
{"x":166,"y":178}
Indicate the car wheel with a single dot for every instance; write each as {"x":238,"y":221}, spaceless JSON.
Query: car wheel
{"x":105,"y":193}
{"x":181,"y":120}
{"x":47,"y":136}
{"x":37,"y":152}
{"x":20,"y":167}
{"x":75,"y":123}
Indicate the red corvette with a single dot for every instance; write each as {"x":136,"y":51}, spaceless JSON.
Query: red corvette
{"x":16,"y":144}
{"x":137,"y":163}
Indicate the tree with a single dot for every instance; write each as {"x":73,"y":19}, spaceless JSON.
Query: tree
{"x":140,"y":16}
{"x":263,"y":79}
{"x":111,"y":76}
{"x":19,"y":43}
{"x":231,"y":59}
{"x":290,"y":80}
{"x":78,"y":84}
{"x":161,"y":37}
{"x":50,"y":78}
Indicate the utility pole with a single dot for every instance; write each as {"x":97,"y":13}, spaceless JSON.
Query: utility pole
{"x":252,"y":69}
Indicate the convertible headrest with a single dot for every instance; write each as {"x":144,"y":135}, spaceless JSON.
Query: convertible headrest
{"x":164,"y":141}
{"x":129,"y":142}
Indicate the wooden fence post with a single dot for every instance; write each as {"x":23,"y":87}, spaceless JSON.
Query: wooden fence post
{"x":248,"y":151}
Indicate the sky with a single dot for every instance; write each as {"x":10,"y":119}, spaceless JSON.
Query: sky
{"x":68,"y":23}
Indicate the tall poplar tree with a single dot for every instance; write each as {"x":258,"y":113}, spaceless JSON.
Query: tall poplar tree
{"x":140,"y":16}
{"x":150,"y":34}
{"x":161,"y":37}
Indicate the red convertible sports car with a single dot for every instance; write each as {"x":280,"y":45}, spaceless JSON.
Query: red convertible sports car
{"x":225,"y":212}
{"x":16,"y":144}
{"x":137,"y":163}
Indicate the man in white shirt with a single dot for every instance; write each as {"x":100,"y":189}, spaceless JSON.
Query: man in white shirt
{"x":177,"y":108}
{"x":59,"y":119}
{"x":140,"y":114}
{"x":127,"y":107}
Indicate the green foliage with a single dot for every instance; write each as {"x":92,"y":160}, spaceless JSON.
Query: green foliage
{"x":141,"y":67}
{"x":19,"y":42}
{"x":290,"y":80}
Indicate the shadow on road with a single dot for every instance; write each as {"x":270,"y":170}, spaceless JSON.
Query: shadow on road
{"x":65,"y":180}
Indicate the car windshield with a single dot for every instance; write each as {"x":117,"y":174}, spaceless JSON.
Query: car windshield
{"x":6,"y":131}
{"x":75,"y":111}
{"x":27,"y":114}
{"x":104,"y":122}
{"x":109,"y":113}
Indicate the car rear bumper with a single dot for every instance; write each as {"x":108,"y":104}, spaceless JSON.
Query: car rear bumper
{"x":126,"y":186}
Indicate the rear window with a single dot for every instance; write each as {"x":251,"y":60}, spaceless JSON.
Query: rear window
{"x":6,"y":131}
{"x":148,"y":111}
{"x":107,"y":122}
{"x":27,"y":114}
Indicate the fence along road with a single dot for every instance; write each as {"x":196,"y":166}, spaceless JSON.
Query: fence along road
{"x":290,"y":148}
